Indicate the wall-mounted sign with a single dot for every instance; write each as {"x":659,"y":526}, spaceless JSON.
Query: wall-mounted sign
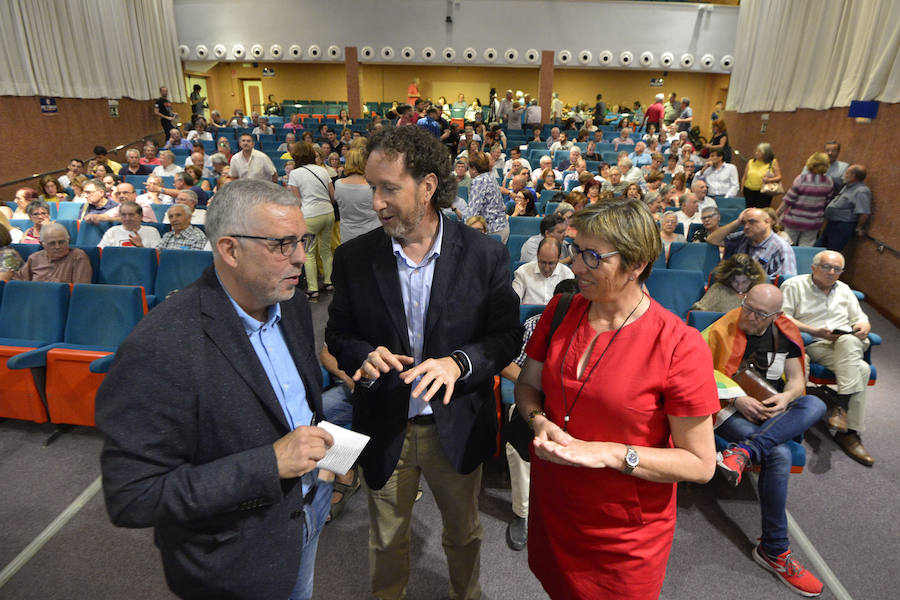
{"x":48,"y":106}
{"x":113,"y":108}
{"x":656,"y":82}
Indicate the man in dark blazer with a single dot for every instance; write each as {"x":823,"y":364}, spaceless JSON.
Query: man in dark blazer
{"x":423,"y":316}
{"x":207,"y":413}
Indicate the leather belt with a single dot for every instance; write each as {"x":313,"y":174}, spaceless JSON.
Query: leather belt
{"x":422,"y":420}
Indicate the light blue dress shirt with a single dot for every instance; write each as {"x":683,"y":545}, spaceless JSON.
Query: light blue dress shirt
{"x":268,"y":342}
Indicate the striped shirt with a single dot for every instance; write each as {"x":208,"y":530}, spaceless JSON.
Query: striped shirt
{"x":806,"y":201}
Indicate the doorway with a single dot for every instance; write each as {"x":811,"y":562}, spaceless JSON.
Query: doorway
{"x":253,"y":96}
{"x":189,"y":82}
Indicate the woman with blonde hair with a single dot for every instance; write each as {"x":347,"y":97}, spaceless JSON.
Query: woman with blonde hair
{"x":802,"y":211}
{"x":353,"y":196}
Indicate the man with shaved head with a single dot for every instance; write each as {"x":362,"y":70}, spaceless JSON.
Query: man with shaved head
{"x":758,"y":336}
{"x":828,"y":310}
{"x":758,"y":240}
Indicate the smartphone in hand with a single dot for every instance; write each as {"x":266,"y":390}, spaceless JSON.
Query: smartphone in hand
{"x":841,"y":332}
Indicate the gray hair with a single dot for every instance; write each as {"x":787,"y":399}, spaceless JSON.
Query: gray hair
{"x":218,"y":159}
{"x":132,"y":150}
{"x":626,"y":163}
{"x":710,"y":209}
{"x":53,"y":226}
{"x":187,"y":209}
{"x":167,"y":153}
{"x":234,"y":202}
{"x":190,"y":194}
{"x":686,"y":100}
{"x":36,"y":204}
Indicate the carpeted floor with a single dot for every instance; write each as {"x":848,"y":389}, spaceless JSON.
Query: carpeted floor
{"x":849,"y":512}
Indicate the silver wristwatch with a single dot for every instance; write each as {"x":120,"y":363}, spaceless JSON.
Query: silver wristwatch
{"x":631,"y":459}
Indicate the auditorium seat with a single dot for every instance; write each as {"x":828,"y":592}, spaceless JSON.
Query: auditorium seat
{"x":731,"y":203}
{"x":99,"y":318}
{"x":69,"y":210}
{"x":676,"y":289}
{"x":177,"y":270}
{"x":26,"y":250}
{"x":700,"y":319}
{"x":514,"y":244}
{"x":693,"y":257}
{"x":32,"y":315}
{"x":804,"y":256}
{"x":524,"y":225}
{"x":90,"y":234}
{"x":160,"y":211}
{"x":93,"y":254}
{"x":128,"y":266}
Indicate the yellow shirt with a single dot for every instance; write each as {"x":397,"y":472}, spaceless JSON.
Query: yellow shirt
{"x":755,"y":171}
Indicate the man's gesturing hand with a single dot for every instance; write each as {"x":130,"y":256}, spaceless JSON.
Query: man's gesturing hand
{"x":298,"y":452}
{"x":435,"y":372}
{"x":381,"y":360}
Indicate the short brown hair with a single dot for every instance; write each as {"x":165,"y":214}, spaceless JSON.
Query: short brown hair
{"x":303,"y":153}
{"x":479,"y":161}
{"x":627,"y":226}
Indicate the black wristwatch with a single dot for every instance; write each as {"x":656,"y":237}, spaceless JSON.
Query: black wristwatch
{"x":461,"y":361}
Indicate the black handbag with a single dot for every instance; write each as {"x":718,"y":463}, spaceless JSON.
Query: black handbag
{"x":516,"y":431}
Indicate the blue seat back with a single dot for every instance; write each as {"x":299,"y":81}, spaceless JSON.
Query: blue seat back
{"x":26,"y":250}
{"x":34,"y":310}
{"x":676,"y":289}
{"x":524,"y":225}
{"x":90,"y":234}
{"x":526,"y":311}
{"x":69,"y":211}
{"x":178,"y":269}
{"x":71,"y":226}
{"x":549,"y":209}
{"x":693,"y":257}
{"x":93,"y":254}
{"x":701,"y":319}
{"x":731,"y":203}
{"x":103,"y":315}
{"x":160,"y":211}
{"x":514,"y":244}
{"x":804,"y":256}
{"x":128,"y":266}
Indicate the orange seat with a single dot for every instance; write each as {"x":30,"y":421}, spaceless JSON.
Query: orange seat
{"x":19,"y":398}
{"x":71,"y":386}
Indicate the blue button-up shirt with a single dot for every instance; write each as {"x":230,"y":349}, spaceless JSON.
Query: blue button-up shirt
{"x":271,"y":348}
{"x":415,"y":286}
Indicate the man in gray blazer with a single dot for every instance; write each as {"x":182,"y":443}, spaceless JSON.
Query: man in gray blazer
{"x":209,"y":409}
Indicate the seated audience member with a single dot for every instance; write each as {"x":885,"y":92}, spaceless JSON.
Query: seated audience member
{"x":515,"y":159}
{"x":218,"y":165}
{"x":183,"y":181}
{"x":567,"y":163}
{"x":183,"y":236}
{"x":709,"y":218}
{"x":551,"y":226}
{"x":689,"y":212}
{"x":776,"y":225}
{"x":100,"y":158}
{"x":733,"y":278}
{"x":167,"y":166}
{"x":110,"y":182}
{"x":758,"y":240}
{"x":554,"y":137}
{"x":77,"y":185}
{"x":189,"y":198}
{"x":624,"y":139}
{"x":561,"y":143}
{"x":263,"y":127}
{"x":24,"y":197}
{"x":52,"y":190}
{"x":130,"y":232}
{"x":667,"y":224}
{"x":672,"y":167}
{"x":849,"y":212}
{"x":699,"y":188}
{"x":150,"y":154}
{"x":176,"y":141}
{"x":573,"y":176}
{"x":39,"y":213}
{"x":689,"y":168}
{"x":221,"y":181}
{"x":545,"y":163}
{"x":223,"y":147}
{"x":153,"y":193}
{"x":535,"y":281}
{"x":461,"y":170}
{"x":654,"y":167}
{"x":634,"y":192}
{"x":721,"y":177}
{"x":615,"y":184}
{"x":757,"y":428}
{"x":199,"y":159}
{"x":828,"y":310}
{"x":591,"y":152}
{"x":124,"y":192}
{"x":10,"y":260}
{"x":56,"y":262}
{"x":656,"y":205}
{"x":802,"y":210}
{"x":519,"y":469}
{"x":294,"y":123}
{"x":285,"y":147}
{"x":548,"y":181}
{"x":654,"y":182}
{"x":199,"y":132}
{"x":524,"y":204}
{"x":199,"y":179}
{"x":630,"y":173}
{"x":74,"y":169}
{"x":133,"y":164}
{"x":640,"y":157}
{"x":477,"y":222}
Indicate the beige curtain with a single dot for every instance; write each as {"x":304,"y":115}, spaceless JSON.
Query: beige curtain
{"x":89,"y":49}
{"x":815,"y":54}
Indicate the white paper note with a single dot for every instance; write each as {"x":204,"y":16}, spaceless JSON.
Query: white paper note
{"x":347,"y":447}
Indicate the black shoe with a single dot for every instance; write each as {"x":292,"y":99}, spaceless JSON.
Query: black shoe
{"x":517,"y":533}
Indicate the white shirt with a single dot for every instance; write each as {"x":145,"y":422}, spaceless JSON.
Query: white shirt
{"x":259,"y":166}
{"x":533,"y":288}
{"x":560,"y":146}
{"x":686,"y":220}
{"x":537,"y":173}
{"x":521,"y":161}
{"x":117,"y":235}
{"x":198,"y":217}
{"x":804,"y":301}
{"x":722,"y":181}
{"x":707,"y":201}
{"x":634,"y":175}
{"x":146,"y":200}
{"x":161,"y":171}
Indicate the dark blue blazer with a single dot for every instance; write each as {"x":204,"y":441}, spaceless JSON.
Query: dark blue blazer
{"x":189,"y":419}
{"x":472,"y":308}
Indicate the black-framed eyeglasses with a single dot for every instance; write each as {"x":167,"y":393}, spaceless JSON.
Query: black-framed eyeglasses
{"x":759,"y":314}
{"x":590,"y":257}
{"x":287,"y":245}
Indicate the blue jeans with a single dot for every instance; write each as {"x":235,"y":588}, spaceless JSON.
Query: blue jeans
{"x":336,"y":405}
{"x":767,"y":449}
{"x":314,"y":520}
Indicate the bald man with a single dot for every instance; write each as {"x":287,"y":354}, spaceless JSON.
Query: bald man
{"x":820,"y":305}
{"x":758,"y":240}
{"x":757,"y":428}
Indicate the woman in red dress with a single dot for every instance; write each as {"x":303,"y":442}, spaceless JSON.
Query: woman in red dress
{"x":620,"y":398}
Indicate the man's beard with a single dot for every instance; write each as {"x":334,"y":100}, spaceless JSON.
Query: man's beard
{"x":402,"y":225}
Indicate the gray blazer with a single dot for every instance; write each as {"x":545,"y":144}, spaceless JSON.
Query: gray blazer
{"x":189,"y":419}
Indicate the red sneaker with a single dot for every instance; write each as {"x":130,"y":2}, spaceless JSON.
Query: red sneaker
{"x":731,"y":464}
{"x":790,"y":572}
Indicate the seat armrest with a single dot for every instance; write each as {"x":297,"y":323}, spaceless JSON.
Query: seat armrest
{"x":31,"y":359}
{"x":101,"y":365}
{"x":874,"y":339}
